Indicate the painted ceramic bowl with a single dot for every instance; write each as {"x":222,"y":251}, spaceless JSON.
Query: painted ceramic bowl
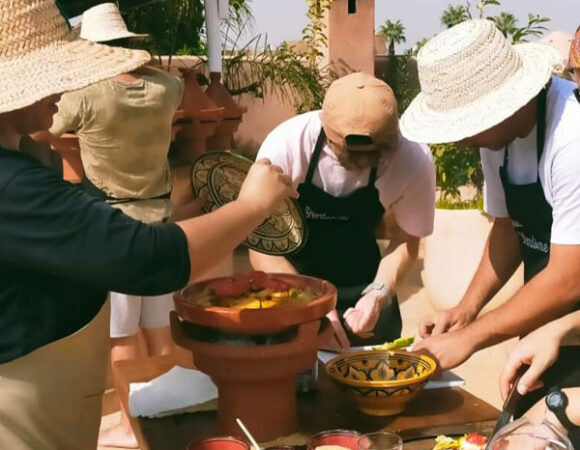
{"x":381,"y":382}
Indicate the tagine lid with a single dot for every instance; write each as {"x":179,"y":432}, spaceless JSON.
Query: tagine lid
{"x":220,"y":176}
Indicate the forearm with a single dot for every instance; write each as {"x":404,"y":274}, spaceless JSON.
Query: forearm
{"x":212,"y":236}
{"x":546,"y":297}
{"x":501,"y":257}
{"x":271,"y":263}
{"x":569,"y":326}
{"x":395,"y":265}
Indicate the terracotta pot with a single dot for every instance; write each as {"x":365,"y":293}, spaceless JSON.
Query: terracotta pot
{"x":253,"y":322}
{"x":256,"y":383}
{"x":191,"y":139}
{"x":196,"y":119}
{"x":224,"y":134}
{"x":219,"y":443}
{"x":196,"y":103}
{"x":67,"y":145}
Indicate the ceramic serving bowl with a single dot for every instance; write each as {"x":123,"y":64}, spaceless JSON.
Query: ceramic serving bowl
{"x":381,"y":382}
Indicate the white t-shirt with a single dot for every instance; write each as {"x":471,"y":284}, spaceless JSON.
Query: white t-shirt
{"x":405,"y":179}
{"x":559,"y":166}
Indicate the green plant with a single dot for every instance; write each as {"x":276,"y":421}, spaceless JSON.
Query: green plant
{"x":454,"y":15}
{"x":454,"y":169}
{"x":288,"y":71}
{"x":505,"y":21}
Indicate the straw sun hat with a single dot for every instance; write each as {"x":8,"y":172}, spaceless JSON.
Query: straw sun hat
{"x":471,"y":80}
{"x":103,"y":23}
{"x":39,"y":56}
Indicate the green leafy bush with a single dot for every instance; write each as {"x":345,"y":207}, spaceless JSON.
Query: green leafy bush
{"x":455,"y":168}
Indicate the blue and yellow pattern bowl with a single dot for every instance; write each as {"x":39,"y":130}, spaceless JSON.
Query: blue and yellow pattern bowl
{"x":381,"y":382}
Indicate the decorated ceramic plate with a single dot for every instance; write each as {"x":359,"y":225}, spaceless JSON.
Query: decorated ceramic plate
{"x":220,"y":175}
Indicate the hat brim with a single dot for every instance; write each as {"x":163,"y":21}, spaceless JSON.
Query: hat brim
{"x":61,"y":67}
{"x":420,"y":123}
{"x":115,"y":36}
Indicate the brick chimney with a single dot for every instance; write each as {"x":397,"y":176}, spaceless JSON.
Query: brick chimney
{"x":351,"y":39}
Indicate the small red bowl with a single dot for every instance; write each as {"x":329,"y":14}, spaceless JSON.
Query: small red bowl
{"x":344,"y":438}
{"x":219,"y":443}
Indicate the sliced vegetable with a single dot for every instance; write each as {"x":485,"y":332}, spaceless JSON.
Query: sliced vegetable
{"x":401,"y":342}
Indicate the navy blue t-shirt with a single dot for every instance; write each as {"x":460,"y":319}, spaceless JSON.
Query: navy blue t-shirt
{"x":61,"y":251}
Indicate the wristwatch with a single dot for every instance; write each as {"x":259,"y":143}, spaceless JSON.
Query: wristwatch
{"x":557,"y":401}
{"x":380,"y":287}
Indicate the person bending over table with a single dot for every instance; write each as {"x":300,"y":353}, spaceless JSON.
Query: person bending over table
{"x":350,"y":164}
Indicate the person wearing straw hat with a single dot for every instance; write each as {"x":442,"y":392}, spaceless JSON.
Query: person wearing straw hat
{"x":350,"y":165}
{"x":62,"y":250}
{"x":479,"y":91}
{"x":124,"y":126}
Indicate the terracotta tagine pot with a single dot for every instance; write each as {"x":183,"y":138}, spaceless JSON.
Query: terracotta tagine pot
{"x":223,"y":136}
{"x":196,"y":119}
{"x":255,"y":363}
{"x":67,"y":145}
{"x":256,"y":322}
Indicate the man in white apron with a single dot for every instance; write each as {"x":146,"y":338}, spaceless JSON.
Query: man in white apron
{"x":504,"y":100}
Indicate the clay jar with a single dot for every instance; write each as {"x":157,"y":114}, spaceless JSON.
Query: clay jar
{"x":223,"y":136}
{"x":219,"y":443}
{"x":196,"y":119}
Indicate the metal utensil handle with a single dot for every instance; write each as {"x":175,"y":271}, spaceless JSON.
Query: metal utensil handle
{"x":509,"y":406}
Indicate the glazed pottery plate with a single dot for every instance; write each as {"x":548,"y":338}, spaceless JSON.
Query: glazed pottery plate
{"x":220,"y":175}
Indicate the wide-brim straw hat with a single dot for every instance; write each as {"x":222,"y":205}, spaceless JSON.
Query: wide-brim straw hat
{"x":40,"y":56}
{"x":104,"y":23}
{"x":472,"y":79}
{"x":574,"y":57}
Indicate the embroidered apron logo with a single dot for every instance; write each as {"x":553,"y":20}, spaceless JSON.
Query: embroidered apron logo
{"x":310,"y":214}
{"x":533,"y":243}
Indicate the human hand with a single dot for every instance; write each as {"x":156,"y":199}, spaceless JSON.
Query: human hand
{"x":448,"y":350}
{"x":539,"y":350}
{"x":451,"y":319}
{"x":362,"y":319}
{"x":338,"y":340}
{"x":265,"y":186}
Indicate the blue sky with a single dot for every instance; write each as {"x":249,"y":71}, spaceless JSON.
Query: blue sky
{"x":284,"y":19}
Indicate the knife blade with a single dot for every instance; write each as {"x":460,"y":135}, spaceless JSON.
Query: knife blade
{"x":509,"y":407}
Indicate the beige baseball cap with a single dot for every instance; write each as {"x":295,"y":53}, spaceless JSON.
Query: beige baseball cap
{"x":360,"y":104}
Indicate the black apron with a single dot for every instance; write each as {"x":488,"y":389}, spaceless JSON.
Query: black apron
{"x":531,"y":216}
{"x":342,"y":246}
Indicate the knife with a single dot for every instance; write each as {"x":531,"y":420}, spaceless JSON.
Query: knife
{"x":509,"y":407}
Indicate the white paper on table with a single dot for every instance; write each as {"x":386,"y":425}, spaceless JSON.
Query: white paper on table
{"x":176,"y":391}
{"x":447,"y":378}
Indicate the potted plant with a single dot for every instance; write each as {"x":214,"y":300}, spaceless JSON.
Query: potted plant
{"x":452,"y":253}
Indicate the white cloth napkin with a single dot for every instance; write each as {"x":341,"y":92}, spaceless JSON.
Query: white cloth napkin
{"x":176,"y":391}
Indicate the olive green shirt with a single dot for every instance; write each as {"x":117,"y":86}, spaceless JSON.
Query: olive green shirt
{"x":124,"y":131}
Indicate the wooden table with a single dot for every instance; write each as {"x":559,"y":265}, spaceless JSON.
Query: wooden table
{"x":434,"y":411}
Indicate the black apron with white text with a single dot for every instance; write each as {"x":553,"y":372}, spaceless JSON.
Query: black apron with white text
{"x":531,"y":216}
{"x":342,"y":246}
